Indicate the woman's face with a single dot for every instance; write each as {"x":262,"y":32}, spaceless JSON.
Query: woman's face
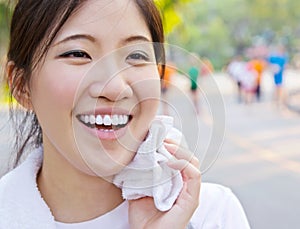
{"x":98,"y":89}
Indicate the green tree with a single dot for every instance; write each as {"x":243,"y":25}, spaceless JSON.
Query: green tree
{"x":4,"y":27}
{"x":4,"y":32}
{"x":170,"y":12}
{"x":220,"y":29}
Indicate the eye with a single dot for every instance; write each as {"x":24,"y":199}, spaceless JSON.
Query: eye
{"x":138,"y":58}
{"x":75,"y":54}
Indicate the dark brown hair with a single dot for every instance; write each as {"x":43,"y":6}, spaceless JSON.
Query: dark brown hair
{"x":34,"y":25}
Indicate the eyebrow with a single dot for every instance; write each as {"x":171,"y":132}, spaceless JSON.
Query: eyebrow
{"x":138,"y":38}
{"x":130,"y":39}
{"x":76,"y":37}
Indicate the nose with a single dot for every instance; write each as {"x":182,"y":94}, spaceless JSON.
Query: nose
{"x":111,"y":83}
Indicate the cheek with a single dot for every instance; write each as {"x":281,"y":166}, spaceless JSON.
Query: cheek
{"x":55,"y":88}
{"x":147,"y":90}
{"x":146,"y":85}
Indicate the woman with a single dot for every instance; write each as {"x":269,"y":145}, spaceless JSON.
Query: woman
{"x":86,"y":72}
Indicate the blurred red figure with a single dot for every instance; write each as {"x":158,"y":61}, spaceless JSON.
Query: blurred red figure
{"x":206,"y":68}
{"x":170,"y":69}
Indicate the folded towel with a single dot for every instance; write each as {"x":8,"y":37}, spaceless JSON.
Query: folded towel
{"x":148,"y":174}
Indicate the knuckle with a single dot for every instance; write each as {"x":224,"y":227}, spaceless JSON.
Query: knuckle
{"x":195,"y":161}
{"x":198,"y":175}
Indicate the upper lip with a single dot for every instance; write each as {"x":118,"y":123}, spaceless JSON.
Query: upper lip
{"x":107,"y":111}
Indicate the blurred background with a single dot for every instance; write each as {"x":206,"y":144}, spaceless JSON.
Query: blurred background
{"x":243,"y":46}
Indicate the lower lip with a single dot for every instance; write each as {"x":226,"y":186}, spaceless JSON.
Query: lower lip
{"x":107,"y":135}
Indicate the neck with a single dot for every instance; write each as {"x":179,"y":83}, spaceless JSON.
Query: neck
{"x":72,"y":195}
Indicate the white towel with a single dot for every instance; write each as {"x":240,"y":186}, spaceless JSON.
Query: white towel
{"x":148,"y":174}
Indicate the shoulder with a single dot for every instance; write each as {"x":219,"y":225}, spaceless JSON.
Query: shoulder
{"x":214,"y":197}
{"x":13,"y":184}
{"x":214,"y":190}
{"x":26,"y":169}
{"x":20,"y":200}
{"x":219,"y":208}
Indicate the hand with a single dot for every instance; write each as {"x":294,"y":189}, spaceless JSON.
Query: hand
{"x":143,"y":213}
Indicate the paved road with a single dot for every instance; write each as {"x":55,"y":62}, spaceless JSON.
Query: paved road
{"x":260,"y":161}
{"x":259,"y":155}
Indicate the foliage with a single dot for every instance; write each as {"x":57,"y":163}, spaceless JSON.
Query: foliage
{"x":170,"y":11}
{"x":4,"y":30}
{"x":4,"y":26}
{"x":220,"y":29}
{"x":217,"y":29}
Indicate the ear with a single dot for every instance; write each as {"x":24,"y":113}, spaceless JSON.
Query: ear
{"x":19,"y":89}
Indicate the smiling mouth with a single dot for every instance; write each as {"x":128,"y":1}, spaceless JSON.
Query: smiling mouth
{"x":105,"y":122}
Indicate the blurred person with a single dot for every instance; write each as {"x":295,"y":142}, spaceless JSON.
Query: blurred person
{"x":249,"y":82}
{"x":258,"y":65}
{"x":169,"y":71}
{"x":236,"y":70}
{"x":277,"y":63}
{"x":194,"y":73}
{"x":207,"y":67}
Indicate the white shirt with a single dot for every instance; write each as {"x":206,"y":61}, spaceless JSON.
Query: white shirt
{"x":22,"y":207}
{"x":115,"y":219}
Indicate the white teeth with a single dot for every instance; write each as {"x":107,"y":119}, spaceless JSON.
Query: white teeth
{"x":115,"y":120}
{"x":125,"y":119}
{"x":81,"y":117}
{"x":106,"y":120}
{"x":86,"y":119}
{"x":92,"y":119}
{"x":99,"y":120}
{"x":121,"y":120}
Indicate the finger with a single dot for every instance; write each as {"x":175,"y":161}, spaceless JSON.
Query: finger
{"x":170,"y":141}
{"x":181,"y":153}
{"x":188,"y":170}
{"x":190,"y":174}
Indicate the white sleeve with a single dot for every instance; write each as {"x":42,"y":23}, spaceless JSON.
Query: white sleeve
{"x":218,"y":208}
{"x":233,"y":214}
